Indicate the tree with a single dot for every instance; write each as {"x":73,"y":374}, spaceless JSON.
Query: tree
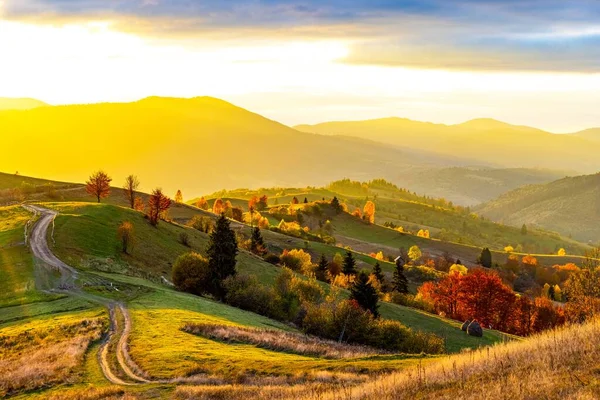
{"x":130,"y":187}
{"x":399,"y":281}
{"x":485,"y":259}
{"x":98,"y":185}
{"x":218,"y":206}
{"x":335,"y":203}
{"x":125,"y":235}
{"x":263,"y":203}
{"x":305,"y":200}
{"x":191,"y":273}
{"x":237,"y":213}
{"x":295,"y":200}
{"x":178,"y":197}
{"x":257,"y":244}
{"x":252,"y":203}
{"x":158,"y":204}
{"x":524,"y":230}
{"x":349,"y":266}
{"x":378,"y":273}
{"x":369,"y":212}
{"x":414,"y":253}
{"x":561,"y":252}
{"x":222,"y":252}
{"x":365,"y":294}
{"x":322,"y":268}
{"x":202,"y":204}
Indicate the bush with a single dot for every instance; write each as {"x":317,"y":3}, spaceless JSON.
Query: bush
{"x":191,"y":273}
{"x":184,"y":239}
{"x":297,"y":260}
{"x":272,"y":259}
{"x":245,"y":292}
{"x":203,"y":224}
{"x":412,"y":301}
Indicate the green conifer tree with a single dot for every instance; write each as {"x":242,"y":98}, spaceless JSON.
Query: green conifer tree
{"x":365,"y":294}
{"x":222,"y":251}
{"x":349,"y":267}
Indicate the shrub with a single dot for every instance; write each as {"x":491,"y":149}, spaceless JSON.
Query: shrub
{"x":297,"y":260}
{"x":245,"y":292}
{"x":191,"y":273}
{"x":184,"y":239}
{"x":272,"y":258}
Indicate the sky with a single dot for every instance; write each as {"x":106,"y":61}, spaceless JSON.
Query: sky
{"x":532,"y":62}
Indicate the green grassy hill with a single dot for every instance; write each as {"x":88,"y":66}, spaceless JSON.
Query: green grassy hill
{"x":475,"y":185}
{"x":570,"y":206}
{"x":485,"y":140}
{"x":453,"y":229}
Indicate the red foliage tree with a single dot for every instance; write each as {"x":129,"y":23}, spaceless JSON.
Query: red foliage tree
{"x":98,"y":185}
{"x":158,"y":204}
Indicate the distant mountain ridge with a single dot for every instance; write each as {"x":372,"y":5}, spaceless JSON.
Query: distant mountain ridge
{"x":570,"y":206}
{"x":197,"y":145}
{"x":488,"y":141}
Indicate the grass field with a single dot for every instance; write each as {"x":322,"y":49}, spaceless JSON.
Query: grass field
{"x":75,"y":240}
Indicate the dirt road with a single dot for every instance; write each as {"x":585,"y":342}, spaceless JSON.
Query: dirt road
{"x":118,"y":369}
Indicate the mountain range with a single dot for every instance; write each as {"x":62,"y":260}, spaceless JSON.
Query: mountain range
{"x":204,"y":144}
{"x":489,"y":142}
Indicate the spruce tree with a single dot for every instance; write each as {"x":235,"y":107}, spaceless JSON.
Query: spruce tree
{"x":335,"y":203}
{"x":322,"y":268}
{"x":257,"y":244}
{"x":222,"y":251}
{"x":378,"y":273}
{"x":365,"y":294}
{"x":305,"y":200}
{"x":349,"y":267}
{"x":486,"y":258}
{"x":524,"y":230}
{"x":399,"y":281}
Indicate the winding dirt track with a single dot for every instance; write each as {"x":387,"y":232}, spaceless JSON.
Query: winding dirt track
{"x":118,"y":335}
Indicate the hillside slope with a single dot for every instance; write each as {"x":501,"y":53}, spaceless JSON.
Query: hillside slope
{"x":570,"y":206}
{"x":196,"y":145}
{"x":7,"y":103}
{"x":486,"y":140}
{"x":471,"y":186}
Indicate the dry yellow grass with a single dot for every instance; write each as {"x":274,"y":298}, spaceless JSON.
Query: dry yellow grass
{"x":562,"y":364}
{"x":282,"y":341}
{"x":36,"y":358}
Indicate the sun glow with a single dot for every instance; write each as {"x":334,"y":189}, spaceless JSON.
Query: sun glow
{"x":282,"y":77}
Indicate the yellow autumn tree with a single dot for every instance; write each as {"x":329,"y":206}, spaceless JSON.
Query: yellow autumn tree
{"x":424,"y":233}
{"x":369,"y":212}
{"x":379,"y":256}
{"x":509,"y":249}
{"x":414,"y":253}
{"x":178,"y":197}
{"x":562,"y":252}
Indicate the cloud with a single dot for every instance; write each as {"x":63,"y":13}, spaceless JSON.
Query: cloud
{"x":524,"y":35}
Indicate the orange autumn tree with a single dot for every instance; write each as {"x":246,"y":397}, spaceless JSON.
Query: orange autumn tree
{"x":218,"y":206}
{"x":202,"y":204}
{"x":369,"y":212}
{"x":98,"y":185}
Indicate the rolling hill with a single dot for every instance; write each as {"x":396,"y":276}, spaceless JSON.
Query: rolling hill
{"x":592,"y":134}
{"x":196,"y":145}
{"x":489,"y":141}
{"x":7,"y":103}
{"x":570,"y":206}
{"x":470,"y":186}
